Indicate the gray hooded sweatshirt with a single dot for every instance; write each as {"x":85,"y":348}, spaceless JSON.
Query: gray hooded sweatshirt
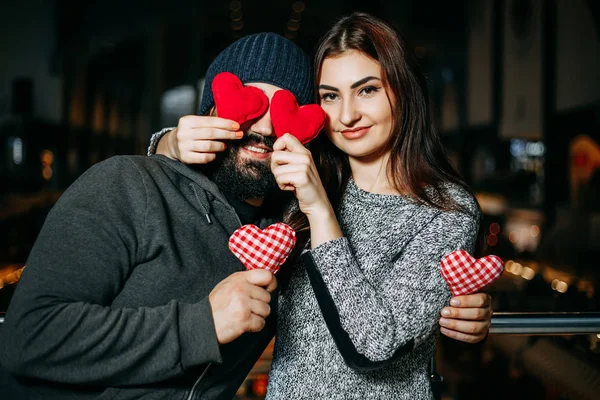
{"x":113,"y":301}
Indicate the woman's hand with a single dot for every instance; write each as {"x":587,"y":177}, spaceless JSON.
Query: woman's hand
{"x":198,"y":139}
{"x":295,"y":170}
{"x":468,"y":318}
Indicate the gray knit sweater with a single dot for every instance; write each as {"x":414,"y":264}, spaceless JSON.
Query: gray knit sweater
{"x":381,"y":291}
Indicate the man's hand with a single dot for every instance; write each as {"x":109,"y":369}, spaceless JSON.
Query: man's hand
{"x":468,"y":318}
{"x":240,"y":303}
{"x":198,"y":139}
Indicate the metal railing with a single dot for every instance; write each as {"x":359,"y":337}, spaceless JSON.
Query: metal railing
{"x":532,"y":323}
{"x":549,"y":323}
{"x":542,"y":359}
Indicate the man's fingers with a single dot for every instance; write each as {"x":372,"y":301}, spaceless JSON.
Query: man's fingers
{"x":471,"y":314}
{"x":461,"y":336}
{"x":471,"y":301}
{"x":259,"y":277}
{"x":272,"y":286}
{"x":259,"y":293}
{"x":255,"y":323}
{"x":260,"y":308}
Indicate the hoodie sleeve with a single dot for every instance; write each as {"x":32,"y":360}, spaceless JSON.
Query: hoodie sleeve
{"x":60,"y":325}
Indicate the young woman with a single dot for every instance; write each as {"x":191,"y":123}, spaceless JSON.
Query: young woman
{"x":358,"y":318}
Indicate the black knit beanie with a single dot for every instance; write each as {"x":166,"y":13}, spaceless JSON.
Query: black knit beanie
{"x":267,"y":58}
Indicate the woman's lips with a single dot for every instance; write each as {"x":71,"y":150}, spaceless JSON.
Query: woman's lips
{"x":355,"y":133}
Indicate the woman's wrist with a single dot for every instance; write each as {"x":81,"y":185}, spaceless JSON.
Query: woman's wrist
{"x":324,"y":226}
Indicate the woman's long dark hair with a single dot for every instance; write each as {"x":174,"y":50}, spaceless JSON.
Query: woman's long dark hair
{"x":417,"y":159}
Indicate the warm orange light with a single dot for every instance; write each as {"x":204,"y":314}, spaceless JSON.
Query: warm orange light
{"x":562,"y":287}
{"x":527,"y":273}
{"x":508,"y":266}
{"x":534,"y":230}
{"x":492,"y":240}
{"x":517,"y":269}
{"x":47,"y":157}
{"x":298,"y":6}
{"x":259,"y":385}
{"x":513,"y":236}
{"x":47,"y":173}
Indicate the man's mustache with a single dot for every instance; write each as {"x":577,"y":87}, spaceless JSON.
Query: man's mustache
{"x":255,"y":138}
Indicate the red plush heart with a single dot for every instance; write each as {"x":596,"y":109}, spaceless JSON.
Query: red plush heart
{"x":235,"y":101}
{"x":466,"y":275}
{"x":287,"y":117}
{"x":267,"y":248}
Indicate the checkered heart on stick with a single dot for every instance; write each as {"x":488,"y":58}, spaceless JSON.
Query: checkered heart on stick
{"x":263,"y":248}
{"x":467,"y":275}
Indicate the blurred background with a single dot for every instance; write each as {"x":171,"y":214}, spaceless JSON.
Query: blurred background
{"x":516,"y":88}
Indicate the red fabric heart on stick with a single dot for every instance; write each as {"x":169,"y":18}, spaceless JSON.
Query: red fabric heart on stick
{"x":288,"y":117}
{"x":235,"y":101}
{"x":467,"y":275}
{"x":267,"y":248}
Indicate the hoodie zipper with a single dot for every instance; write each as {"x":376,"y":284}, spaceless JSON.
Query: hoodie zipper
{"x":191,"y":396}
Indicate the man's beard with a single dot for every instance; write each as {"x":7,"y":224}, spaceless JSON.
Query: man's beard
{"x":242,"y":178}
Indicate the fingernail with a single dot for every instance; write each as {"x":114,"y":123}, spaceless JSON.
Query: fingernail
{"x":446,"y":312}
{"x":443,"y":321}
{"x":454,"y":302}
{"x":235,"y":126}
{"x":239,"y":134}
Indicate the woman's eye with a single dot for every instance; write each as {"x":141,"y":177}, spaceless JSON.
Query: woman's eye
{"x":369,"y":90}
{"x":328,"y":96}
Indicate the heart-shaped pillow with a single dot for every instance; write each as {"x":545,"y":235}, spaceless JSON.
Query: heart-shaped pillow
{"x":467,"y":275}
{"x":267,"y":248}
{"x":235,"y":101}
{"x":287,"y":117}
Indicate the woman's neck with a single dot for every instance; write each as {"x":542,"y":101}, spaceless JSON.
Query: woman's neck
{"x":371,"y":175}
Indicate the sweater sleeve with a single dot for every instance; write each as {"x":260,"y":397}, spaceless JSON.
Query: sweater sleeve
{"x":60,"y":325}
{"x":373,"y":324}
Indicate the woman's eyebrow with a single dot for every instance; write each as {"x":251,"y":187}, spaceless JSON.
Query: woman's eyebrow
{"x":353,"y":86}
{"x":363,"y":80}
{"x":327,"y":87}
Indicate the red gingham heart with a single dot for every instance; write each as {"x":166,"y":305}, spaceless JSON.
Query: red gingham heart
{"x":466,"y":275}
{"x":266,"y":249}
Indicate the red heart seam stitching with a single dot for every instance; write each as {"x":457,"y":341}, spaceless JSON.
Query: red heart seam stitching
{"x":235,"y":101}
{"x":466,"y":275}
{"x":267,"y":248}
{"x":287,"y":117}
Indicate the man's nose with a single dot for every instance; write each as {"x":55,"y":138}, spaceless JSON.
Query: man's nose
{"x":263,"y":126}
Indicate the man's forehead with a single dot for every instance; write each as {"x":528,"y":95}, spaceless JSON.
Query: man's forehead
{"x":268,"y":88}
